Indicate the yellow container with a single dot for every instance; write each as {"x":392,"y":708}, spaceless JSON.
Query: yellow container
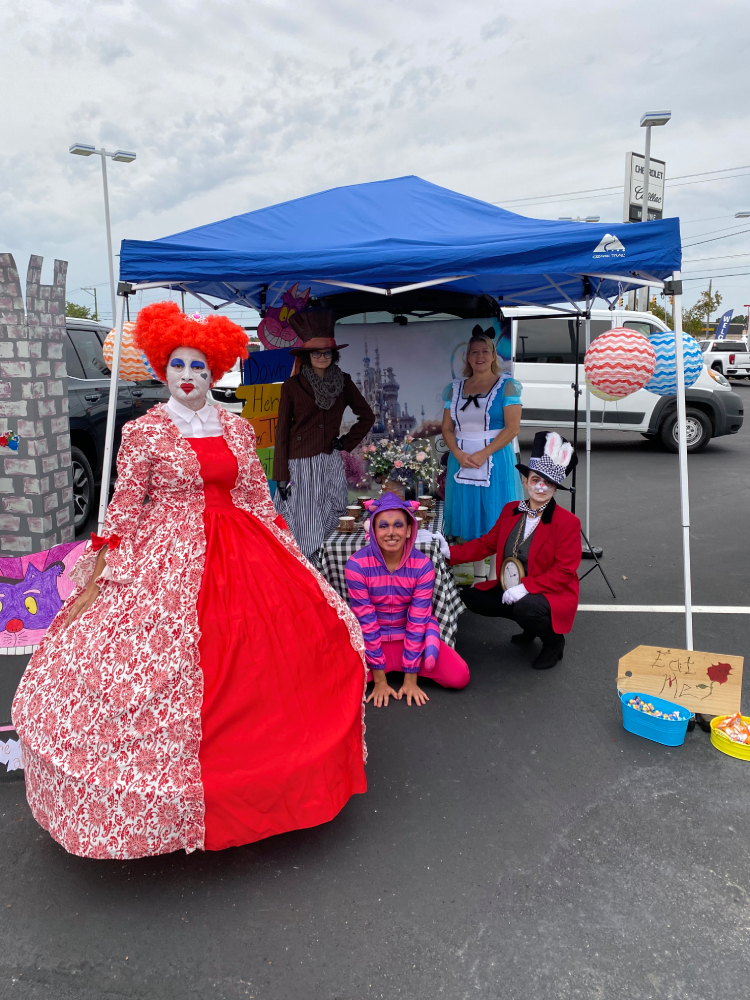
{"x":722,"y":742}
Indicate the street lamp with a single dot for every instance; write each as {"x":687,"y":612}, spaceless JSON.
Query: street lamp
{"x":648,"y":120}
{"x":120,"y":156}
{"x":569,"y":218}
{"x":742,"y":215}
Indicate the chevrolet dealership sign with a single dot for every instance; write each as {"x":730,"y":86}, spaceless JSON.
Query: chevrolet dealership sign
{"x":633,"y":202}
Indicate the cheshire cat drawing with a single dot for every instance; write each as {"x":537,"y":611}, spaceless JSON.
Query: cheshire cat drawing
{"x":274,"y":330}
{"x":32,"y":591}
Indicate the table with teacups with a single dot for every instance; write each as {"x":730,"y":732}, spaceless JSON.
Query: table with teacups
{"x":446,"y":601}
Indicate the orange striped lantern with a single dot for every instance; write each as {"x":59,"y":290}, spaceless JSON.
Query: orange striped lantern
{"x":134,"y":366}
{"x":619,"y":362}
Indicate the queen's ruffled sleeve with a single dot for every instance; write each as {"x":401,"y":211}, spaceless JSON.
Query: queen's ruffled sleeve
{"x":124,"y":512}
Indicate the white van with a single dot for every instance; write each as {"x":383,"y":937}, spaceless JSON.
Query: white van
{"x":544,"y":351}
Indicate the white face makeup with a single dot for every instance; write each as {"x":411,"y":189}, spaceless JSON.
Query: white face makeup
{"x":188,"y":377}
{"x":538,"y":488}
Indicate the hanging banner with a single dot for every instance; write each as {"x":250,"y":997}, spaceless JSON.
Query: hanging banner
{"x":634,"y":174}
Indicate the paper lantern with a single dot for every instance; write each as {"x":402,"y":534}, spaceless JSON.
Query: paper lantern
{"x":664,"y":380}
{"x":602,"y":395}
{"x":134,"y":366}
{"x":619,"y":362}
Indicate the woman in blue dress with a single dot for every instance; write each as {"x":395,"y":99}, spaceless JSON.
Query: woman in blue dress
{"x":482,"y":416}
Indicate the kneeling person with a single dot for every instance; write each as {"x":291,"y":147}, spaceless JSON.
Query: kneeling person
{"x":390,"y":585}
{"x":538,"y":547}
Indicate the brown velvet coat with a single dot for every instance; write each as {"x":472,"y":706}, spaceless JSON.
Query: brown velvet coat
{"x":304,"y":430}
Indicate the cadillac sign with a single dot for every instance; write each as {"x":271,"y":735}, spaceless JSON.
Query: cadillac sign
{"x":633,"y":202}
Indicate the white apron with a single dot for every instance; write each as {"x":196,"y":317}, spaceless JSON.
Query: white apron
{"x":471,"y":418}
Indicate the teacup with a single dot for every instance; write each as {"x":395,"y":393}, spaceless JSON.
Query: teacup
{"x":355,"y":511}
{"x":346,"y":524}
{"x":427,"y":501}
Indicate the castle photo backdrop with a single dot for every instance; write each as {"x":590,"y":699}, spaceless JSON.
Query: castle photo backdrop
{"x":402,"y":370}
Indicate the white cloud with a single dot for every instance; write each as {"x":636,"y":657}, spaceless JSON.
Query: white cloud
{"x":234,"y":105}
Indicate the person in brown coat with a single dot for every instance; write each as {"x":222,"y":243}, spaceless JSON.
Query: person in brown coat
{"x":307,"y":466}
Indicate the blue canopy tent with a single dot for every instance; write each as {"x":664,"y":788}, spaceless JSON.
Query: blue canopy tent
{"x":392,"y":238}
{"x":389,"y":237}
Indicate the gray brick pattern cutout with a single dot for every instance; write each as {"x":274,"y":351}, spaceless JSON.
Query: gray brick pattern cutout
{"x":36,"y":489}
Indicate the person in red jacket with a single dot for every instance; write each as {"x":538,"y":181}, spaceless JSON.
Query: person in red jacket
{"x":538,"y":547}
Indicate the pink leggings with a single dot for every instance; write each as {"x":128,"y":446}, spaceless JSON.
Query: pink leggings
{"x":450,"y":670}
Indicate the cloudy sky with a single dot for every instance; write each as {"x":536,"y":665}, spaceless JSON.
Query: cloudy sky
{"x":232,"y":106}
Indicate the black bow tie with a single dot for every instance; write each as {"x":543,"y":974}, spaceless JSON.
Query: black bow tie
{"x":472,"y":399}
{"x":526,"y":509}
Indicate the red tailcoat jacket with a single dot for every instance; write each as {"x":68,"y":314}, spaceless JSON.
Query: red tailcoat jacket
{"x":554,"y":558}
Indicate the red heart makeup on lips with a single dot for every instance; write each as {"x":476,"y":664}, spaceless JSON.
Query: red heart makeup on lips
{"x":187,"y":387}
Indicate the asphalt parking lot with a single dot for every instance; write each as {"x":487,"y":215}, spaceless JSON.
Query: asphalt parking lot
{"x":515,"y":841}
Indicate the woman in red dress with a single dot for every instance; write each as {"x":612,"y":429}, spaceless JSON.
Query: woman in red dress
{"x":203,"y":687}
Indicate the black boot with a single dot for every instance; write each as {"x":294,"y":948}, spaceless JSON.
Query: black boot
{"x":552,"y":652}
{"x":523,"y":638}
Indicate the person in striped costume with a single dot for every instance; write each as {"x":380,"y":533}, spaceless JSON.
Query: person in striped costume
{"x":390,"y":584}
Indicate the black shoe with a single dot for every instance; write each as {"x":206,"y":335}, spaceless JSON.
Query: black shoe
{"x":551,"y":654}
{"x":523,"y":638}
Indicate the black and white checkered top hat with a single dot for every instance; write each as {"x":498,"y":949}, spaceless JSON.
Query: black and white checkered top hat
{"x":552,"y":458}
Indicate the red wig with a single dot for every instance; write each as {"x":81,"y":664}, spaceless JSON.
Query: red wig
{"x":162,"y":327}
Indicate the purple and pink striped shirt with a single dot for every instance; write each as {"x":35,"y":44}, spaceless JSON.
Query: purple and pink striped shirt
{"x":395,"y":605}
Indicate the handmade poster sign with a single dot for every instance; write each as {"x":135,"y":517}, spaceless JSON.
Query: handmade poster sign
{"x":265,"y":456}
{"x":262,"y":367}
{"x":708,"y":683}
{"x":260,"y":400}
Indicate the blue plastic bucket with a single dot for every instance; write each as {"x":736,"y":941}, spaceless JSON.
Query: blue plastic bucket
{"x":669,"y":733}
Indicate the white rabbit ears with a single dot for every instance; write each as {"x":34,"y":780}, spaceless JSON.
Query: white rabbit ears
{"x":557,"y":450}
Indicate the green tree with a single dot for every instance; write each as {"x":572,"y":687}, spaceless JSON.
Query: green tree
{"x":75,"y":311}
{"x":707,"y":303}
{"x":665,"y":315}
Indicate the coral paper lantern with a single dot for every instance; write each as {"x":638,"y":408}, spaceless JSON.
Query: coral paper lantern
{"x":619,"y":362}
{"x":664,"y":379}
{"x":134,"y":366}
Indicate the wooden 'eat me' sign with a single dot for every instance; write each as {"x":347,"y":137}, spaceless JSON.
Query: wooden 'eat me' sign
{"x":708,"y":683}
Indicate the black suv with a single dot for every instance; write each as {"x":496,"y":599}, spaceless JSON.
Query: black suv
{"x":88,"y":392}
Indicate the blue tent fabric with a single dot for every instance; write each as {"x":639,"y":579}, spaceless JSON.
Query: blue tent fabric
{"x":397,"y":232}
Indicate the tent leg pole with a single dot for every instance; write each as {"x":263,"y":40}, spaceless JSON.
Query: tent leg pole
{"x":684,"y":490}
{"x":588,"y":430}
{"x":109,"y":438}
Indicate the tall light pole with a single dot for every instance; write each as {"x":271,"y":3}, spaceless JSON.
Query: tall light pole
{"x":648,"y":121}
{"x":121,"y":156}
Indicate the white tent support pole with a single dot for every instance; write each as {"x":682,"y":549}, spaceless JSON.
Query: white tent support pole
{"x":628,"y":280}
{"x":683,"y":455}
{"x":109,"y":437}
{"x":587,"y":328}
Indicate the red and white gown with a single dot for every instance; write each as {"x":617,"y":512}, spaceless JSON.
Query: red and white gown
{"x":213,"y":693}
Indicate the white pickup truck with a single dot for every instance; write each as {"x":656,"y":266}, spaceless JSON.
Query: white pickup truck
{"x":730,"y":357}
{"x":544,"y":345}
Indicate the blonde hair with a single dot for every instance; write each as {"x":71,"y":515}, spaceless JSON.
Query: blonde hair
{"x":468,"y":371}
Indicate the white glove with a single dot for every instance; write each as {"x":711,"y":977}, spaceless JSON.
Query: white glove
{"x":513,"y":594}
{"x":445,"y":549}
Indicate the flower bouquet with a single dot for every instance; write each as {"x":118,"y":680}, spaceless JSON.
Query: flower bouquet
{"x":406,"y":461}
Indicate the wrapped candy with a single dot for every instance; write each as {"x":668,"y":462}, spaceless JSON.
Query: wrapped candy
{"x":735,"y":728}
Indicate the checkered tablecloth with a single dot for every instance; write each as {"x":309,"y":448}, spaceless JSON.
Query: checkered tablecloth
{"x":446,"y":602}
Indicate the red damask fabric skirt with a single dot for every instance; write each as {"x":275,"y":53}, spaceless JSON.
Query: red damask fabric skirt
{"x":281,"y":745}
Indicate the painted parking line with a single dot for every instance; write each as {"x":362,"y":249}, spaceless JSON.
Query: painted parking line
{"x":698,"y":609}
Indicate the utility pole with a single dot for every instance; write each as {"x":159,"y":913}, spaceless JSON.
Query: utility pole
{"x":92,"y":291}
{"x":708,"y":306}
